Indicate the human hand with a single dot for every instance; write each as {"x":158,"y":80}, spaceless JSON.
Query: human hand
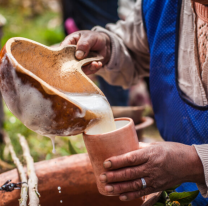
{"x":162,"y":165}
{"x":87,"y":41}
{"x":201,"y":1}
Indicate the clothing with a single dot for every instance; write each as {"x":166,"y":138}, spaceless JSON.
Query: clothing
{"x":88,"y":13}
{"x":178,"y":119}
{"x":202,"y":41}
{"x":115,"y":94}
{"x":130,"y":53}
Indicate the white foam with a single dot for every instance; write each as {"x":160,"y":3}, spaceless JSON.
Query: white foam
{"x":28,"y":105}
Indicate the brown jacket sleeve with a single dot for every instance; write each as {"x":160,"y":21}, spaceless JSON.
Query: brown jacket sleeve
{"x":130,"y":53}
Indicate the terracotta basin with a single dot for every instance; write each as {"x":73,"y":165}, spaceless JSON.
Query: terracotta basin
{"x":34,"y":81}
{"x":133,"y":112}
{"x":75,"y":176}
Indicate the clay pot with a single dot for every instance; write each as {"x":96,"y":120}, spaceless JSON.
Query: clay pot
{"x":33,"y":79}
{"x":100,"y":147}
{"x":75,"y":176}
{"x":145,"y":122}
{"x":134,"y":112}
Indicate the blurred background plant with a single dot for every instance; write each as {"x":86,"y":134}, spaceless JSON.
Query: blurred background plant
{"x":41,"y":21}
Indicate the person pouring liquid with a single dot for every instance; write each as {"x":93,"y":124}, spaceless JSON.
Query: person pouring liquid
{"x":167,"y":40}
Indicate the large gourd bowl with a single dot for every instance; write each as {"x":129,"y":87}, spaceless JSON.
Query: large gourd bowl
{"x":34,"y":79}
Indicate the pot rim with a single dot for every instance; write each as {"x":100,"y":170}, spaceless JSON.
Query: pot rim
{"x":146,"y":122}
{"x":116,"y":119}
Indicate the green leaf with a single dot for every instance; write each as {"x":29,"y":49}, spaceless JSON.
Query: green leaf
{"x":183,"y":197}
{"x":48,"y":156}
{"x":164,"y":195}
{"x":159,"y":204}
{"x":71,"y":148}
{"x":172,"y":188}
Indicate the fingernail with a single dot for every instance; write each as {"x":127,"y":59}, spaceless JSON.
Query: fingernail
{"x":123,"y":198}
{"x":107,"y":164}
{"x":103,"y":178}
{"x":79,"y":54}
{"x":108,"y":188}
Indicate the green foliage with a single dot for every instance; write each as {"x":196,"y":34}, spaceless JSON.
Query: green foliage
{"x":172,"y":188}
{"x":164,"y":195}
{"x":183,"y":197}
{"x":48,"y":156}
{"x":71,"y":148}
{"x":172,"y":198}
{"x":19,"y":24}
{"x":53,"y":36}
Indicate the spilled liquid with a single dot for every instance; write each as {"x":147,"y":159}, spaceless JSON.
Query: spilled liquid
{"x":59,"y":189}
{"x":53,"y":143}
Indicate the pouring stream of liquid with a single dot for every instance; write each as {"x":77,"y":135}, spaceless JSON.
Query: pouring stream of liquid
{"x":99,"y":105}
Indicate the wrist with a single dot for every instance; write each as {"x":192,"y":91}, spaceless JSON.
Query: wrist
{"x":108,"y":48}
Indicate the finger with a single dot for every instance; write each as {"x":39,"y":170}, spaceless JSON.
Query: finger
{"x":136,"y":157}
{"x":137,"y":194}
{"x":71,"y":39}
{"x":86,"y":43}
{"x":92,"y":68}
{"x":83,"y":47}
{"x":124,"y":187}
{"x":96,"y":65}
{"x":130,"y":173}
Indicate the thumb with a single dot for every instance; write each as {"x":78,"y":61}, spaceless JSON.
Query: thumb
{"x":77,"y":38}
{"x":84,"y":45}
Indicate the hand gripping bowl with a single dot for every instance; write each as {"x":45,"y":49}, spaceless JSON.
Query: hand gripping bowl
{"x":33,"y":79}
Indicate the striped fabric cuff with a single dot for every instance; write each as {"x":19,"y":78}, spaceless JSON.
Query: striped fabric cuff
{"x":202,"y":151}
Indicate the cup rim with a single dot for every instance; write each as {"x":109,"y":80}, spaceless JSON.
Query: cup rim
{"x":116,"y":119}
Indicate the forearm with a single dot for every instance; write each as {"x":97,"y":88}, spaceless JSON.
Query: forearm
{"x":129,"y":50}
